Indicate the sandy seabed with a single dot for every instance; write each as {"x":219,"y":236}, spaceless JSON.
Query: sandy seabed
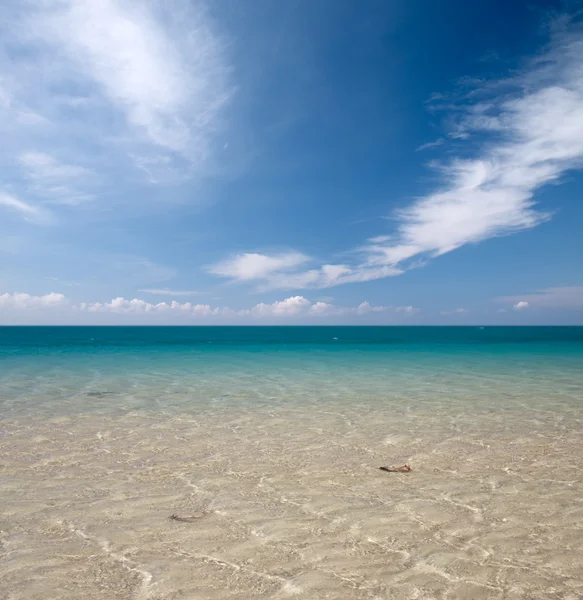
{"x":293,"y":504}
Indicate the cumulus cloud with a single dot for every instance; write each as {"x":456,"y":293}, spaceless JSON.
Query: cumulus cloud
{"x":526,"y":131}
{"x":560,"y":298}
{"x":21,"y":301}
{"x":292,"y":309}
{"x":137,"y":306}
{"x":322,"y":309}
{"x":289,"y":308}
{"x":365,"y":307}
{"x":522,"y":305}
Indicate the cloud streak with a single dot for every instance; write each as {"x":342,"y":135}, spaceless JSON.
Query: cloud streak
{"x":252,"y":266}
{"x":528,"y":132}
{"x":28,"y":211}
{"x":279,"y":271}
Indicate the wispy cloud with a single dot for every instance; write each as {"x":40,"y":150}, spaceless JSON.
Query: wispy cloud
{"x":159,"y":65}
{"x":279,"y":271}
{"x":28,"y":211}
{"x":90,"y":88}
{"x":528,"y":131}
{"x":58,"y":182}
{"x":251,"y":266}
{"x":429,"y":145}
{"x":561,"y":298}
{"x":65,"y":283}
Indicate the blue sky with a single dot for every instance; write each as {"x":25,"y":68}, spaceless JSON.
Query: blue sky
{"x":300,"y":162}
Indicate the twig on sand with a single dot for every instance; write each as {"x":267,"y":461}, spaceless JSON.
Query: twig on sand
{"x":186,"y":518}
{"x":402,"y":469}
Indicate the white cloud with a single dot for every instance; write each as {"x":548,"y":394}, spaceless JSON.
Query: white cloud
{"x":137,"y":306}
{"x":323,"y":309}
{"x":329,"y":276}
{"x":522,"y":305}
{"x":410,"y":310}
{"x":168,"y":292}
{"x":160,"y":65}
{"x":26,"y":301}
{"x":117,"y":82}
{"x":289,"y":308}
{"x":561,"y":298}
{"x":250,"y":266}
{"x":279,"y":271}
{"x":365,"y":307}
{"x":538,"y":133}
{"x":294,"y":309}
{"x":528,"y":132}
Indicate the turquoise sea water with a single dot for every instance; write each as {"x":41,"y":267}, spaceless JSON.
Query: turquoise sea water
{"x":271,"y":439}
{"x":108,"y":368}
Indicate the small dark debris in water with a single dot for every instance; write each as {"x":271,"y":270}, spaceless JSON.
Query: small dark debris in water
{"x":402,"y":469}
{"x":98,"y":394}
{"x":186,"y":518}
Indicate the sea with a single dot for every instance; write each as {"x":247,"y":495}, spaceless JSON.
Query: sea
{"x":183,"y":463}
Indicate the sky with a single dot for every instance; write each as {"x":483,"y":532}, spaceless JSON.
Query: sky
{"x":300,"y":162}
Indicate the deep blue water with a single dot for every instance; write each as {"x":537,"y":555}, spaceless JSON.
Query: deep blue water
{"x":82,"y":338}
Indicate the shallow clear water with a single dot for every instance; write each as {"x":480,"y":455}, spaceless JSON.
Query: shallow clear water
{"x":275,"y":436}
